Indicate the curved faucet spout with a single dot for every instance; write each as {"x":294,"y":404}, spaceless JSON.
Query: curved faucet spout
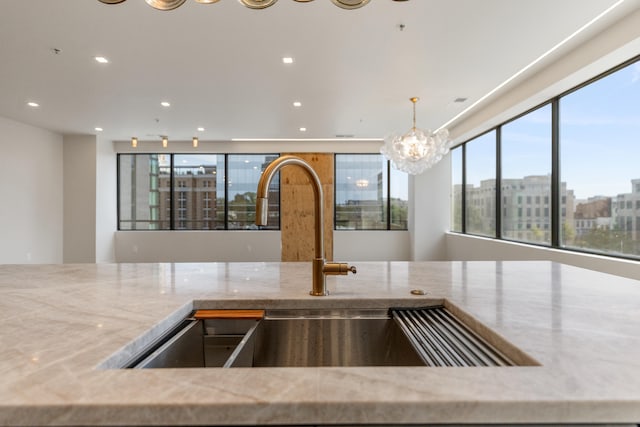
{"x":320,"y":267}
{"x":262,"y":197}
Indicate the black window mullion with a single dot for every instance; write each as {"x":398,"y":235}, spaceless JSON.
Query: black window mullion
{"x":226,"y":191}
{"x":463,"y":196}
{"x":556,"y":195}
{"x":171,"y":193}
{"x":134,"y":189}
{"x":335,"y":191}
{"x":388,"y":194}
{"x":498,"y":213}
{"x":118,"y":192}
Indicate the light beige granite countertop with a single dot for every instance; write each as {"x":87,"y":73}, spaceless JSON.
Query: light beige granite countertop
{"x":61,"y":326}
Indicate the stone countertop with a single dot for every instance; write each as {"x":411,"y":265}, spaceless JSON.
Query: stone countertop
{"x":62,"y":327}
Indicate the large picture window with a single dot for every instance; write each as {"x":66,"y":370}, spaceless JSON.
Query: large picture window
{"x":456,"y":189}
{"x":198,"y":192}
{"x":568,"y":174}
{"x":481,"y":185}
{"x":600,"y":152}
{"x":369,"y":194}
{"x":192,"y":191}
{"x":526,"y":177}
{"x":143,"y":188}
{"x":218,"y":192}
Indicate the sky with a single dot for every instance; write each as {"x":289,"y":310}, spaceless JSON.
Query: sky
{"x":599,"y":139}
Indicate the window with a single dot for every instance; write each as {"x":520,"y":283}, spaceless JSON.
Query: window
{"x":526,"y":160}
{"x":577,"y":154}
{"x":456,"y":190}
{"x":242,"y":182}
{"x":599,"y":129}
{"x":188,"y":192}
{"x":398,"y":199}
{"x":192,"y":173}
{"x":218,"y":192}
{"x":369,"y":194}
{"x":480,"y":185}
{"x":143,"y":179}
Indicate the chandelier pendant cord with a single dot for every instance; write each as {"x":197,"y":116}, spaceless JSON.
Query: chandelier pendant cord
{"x":414,"y":100}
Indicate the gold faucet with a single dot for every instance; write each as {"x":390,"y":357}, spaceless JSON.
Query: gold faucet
{"x":320,"y":267}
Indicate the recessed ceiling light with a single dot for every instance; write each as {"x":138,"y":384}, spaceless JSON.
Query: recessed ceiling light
{"x":287,"y":60}
{"x":200,"y":129}
{"x":165,"y":104}
{"x":297,"y":104}
{"x":98,"y":129}
{"x":101,"y":59}
{"x":33,"y":104}
{"x":303,"y":129}
{"x":459,"y":99}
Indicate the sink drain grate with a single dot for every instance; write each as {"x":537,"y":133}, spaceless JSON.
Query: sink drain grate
{"x":442,"y":340}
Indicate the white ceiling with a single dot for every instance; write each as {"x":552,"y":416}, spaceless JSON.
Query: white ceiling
{"x":220,"y":64}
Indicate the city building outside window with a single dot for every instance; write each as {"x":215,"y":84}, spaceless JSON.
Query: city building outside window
{"x":597,"y":180}
{"x":480,"y":186}
{"x":141,"y":178}
{"x":599,"y":128}
{"x":199,"y":199}
{"x":526,"y":172}
{"x":218,"y":192}
{"x":369,"y":193}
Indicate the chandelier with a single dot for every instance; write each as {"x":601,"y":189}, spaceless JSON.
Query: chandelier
{"x":252,"y":4}
{"x":417,"y":150}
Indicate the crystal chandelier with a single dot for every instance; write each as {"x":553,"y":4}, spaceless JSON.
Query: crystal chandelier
{"x":417,"y":150}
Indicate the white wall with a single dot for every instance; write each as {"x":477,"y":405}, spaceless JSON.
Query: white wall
{"x":429,"y":218}
{"x":197,"y":246}
{"x":262,"y":246}
{"x":31,"y":192}
{"x":106,"y":201}
{"x":364,"y":245}
{"x":79,"y":198}
{"x":471,"y":248}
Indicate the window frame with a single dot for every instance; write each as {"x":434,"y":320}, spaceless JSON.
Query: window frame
{"x":556,"y":197}
{"x":172,"y":192}
{"x":387,"y":208}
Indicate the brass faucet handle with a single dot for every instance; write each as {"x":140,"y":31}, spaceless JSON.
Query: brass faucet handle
{"x":337,"y":268}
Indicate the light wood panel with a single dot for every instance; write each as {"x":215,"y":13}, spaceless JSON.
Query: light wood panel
{"x":296,"y":208}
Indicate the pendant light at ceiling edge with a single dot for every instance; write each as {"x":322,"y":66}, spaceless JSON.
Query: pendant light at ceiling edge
{"x":417,"y":150}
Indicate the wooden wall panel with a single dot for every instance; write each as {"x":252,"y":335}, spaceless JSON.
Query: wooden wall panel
{"x":297,"y":210}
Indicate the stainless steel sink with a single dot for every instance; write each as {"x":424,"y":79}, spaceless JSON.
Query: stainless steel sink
{"x":430,"y":336}
{"x":329,"y":339}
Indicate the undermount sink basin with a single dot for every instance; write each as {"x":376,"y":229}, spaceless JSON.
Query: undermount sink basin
{"x":429,"y":336}
{"x":351,"y":341}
